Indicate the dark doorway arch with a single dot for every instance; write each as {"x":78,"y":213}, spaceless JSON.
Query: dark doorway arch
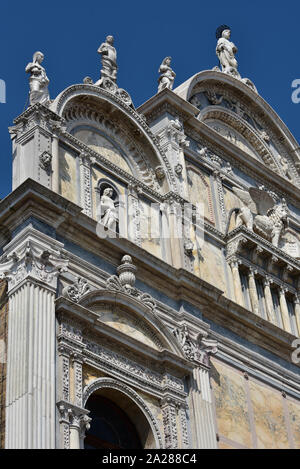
{"x":111,"y":428}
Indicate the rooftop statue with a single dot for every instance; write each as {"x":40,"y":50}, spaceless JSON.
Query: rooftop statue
{"x":166,"y":79}
{"x":109,"y":59}
{"x":226,"y":51}
{"x":38,"y":80}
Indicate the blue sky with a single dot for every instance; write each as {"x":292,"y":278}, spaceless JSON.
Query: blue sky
{"x":69,"y":33}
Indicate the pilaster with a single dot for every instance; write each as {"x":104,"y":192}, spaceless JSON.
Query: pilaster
{"x":31,"y":267}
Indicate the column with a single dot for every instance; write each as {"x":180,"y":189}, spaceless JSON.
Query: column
{"x":253,"y":291}
{"x":204,"y":431}
{"x":32,"y":273}
{"x":284,"y":310}
{"x":74,"y":422}
{"x":297,"y":311}
{"x":234,"y":264}
{"x":269,"y":301}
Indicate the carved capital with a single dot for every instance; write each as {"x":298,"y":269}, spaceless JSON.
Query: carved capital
{"x":31,"y":260}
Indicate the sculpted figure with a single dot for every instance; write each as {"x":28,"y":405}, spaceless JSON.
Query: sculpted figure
{"x":38,"y":80}
{"x":108,"y":211}
{"x":261,"y":214}
{"x":166,"y":79}
{"x":109,"y":59}
{"x":285,"y":168}
{"x":226,"y":51}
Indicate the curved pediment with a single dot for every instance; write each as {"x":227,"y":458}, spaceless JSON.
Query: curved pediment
{"x":261,"y":133}
{"x":132,"y":317}
{"x":108,"y":126}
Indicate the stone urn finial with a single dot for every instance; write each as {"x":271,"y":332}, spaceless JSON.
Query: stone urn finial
{"x":126,"y":272}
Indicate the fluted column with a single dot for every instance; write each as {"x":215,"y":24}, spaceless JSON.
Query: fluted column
{"x":297,"y":312}
{"x":204,"y":431}
{"x":284,"y":310}
{"x":253,"y":291}
{"x":269,"y":301}
{"x":234,"y":264}
{"x":30,"y":394}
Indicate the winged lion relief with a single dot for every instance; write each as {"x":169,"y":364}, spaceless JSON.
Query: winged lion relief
{"x":261,"y":213}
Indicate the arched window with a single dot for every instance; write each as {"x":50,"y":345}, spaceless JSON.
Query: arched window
{"x":111,"y":428}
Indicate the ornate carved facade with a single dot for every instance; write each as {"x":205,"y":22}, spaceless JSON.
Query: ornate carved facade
{"x":152,"y":262}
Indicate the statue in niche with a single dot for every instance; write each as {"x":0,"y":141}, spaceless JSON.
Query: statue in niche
{"x":226,"y":51}
{"x":261,"y":213}
{"x":167,"y":77}
{"x":109,"y":216}
{"x":38,"y":80}
{"x":109,"y":59}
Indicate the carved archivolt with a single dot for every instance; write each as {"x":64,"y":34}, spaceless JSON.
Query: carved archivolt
{"x":68,"y":104}
{"x":102,"y":383}
{"x":221,"y":115}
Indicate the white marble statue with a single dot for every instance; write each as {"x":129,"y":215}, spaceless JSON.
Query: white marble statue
{"x":38,"y":80}
{"x":226,"y":51}
{"x":260,"y":213}
{"x":109,"y":59}
{"x":167,"y":75}
{"x":108,"y":211}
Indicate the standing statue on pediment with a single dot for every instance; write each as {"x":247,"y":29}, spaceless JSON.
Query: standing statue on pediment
{"x":226,"y":51}
{"x":167,"y":75}
{"x":109,"y":59}
{"x":38,"y":80}
{"x":108,"y":211}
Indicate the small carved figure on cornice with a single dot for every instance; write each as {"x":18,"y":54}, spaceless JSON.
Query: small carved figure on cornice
{"x":212,"y":97}
{"x":178,"y":169}
{"x":77,"y":290}
{"x":261,"y":214}
{"x":188,"y":247}
{"x":285,"y":168}
{"x":109,"y":59}
{"x":195,"y":101}
{"x":160,"y":173}
{"x":38,"y":80}
{"x":167,"y":75}
{"x":88,"y":81}
{"x":265,"y":136}
{"x":184,"y":339}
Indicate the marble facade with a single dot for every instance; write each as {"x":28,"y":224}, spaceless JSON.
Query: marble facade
{"x":191,"y":336}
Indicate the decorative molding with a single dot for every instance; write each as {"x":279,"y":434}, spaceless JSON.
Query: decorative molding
{"x":110,"y":383}
{"x":125,"y":281}
{"x":76,"y":291}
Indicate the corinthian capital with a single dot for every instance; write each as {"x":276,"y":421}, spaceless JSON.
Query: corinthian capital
{"x":32,"y":260}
